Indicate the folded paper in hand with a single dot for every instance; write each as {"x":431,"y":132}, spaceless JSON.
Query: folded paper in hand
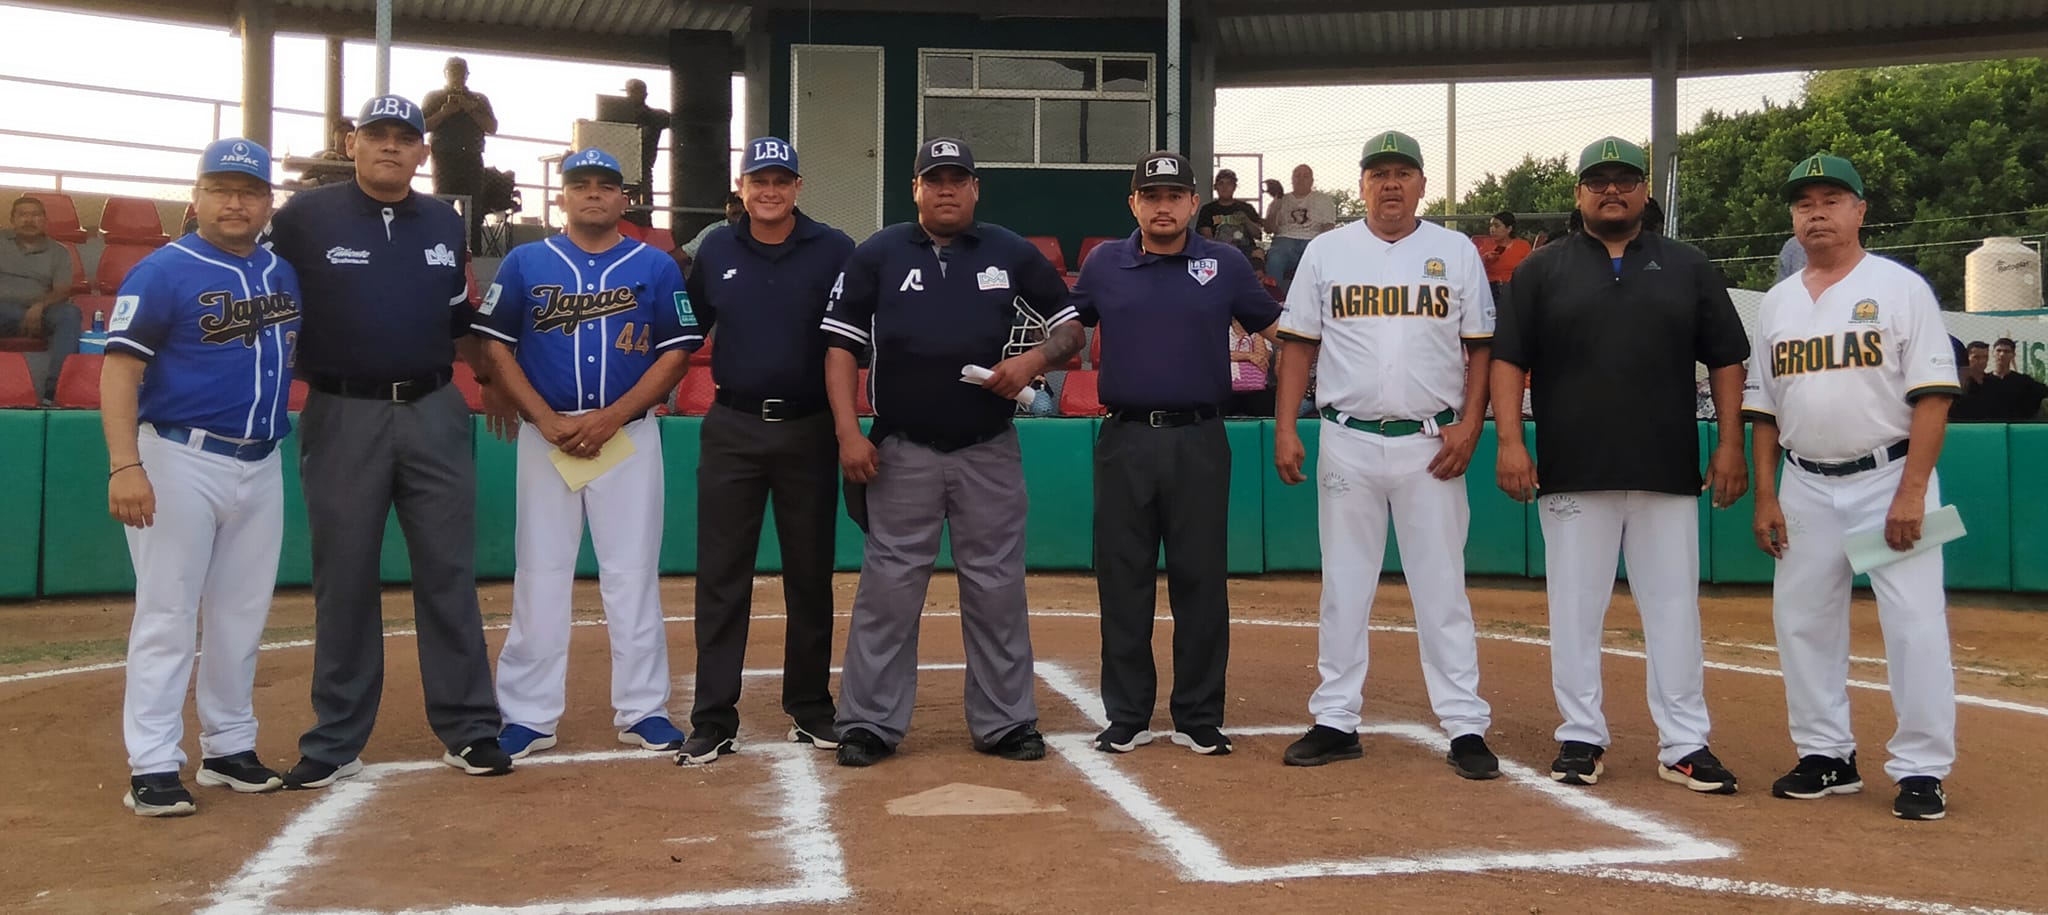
{"x":578,"y":472}
{"x":975,"y":375}
{"x":1867,"y":549}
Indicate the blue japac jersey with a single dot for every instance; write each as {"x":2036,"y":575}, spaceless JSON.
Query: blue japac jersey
{"x":586,"y":327}
{"x":219,"y":332}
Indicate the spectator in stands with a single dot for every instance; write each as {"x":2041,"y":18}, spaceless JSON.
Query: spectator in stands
{"x":1258,"y":258}
{"x":1542,"y":238}
{"x":2022,"y":392}
{"x":652,"y":122}
{"x":1251,"y":377}
{"x":458,"y":119}
{"x":1229,"y":220}
{"x":1294,"y":218}
{"x":35,"y":286}
{"x":1980,"y":402}
{"x":336,"y":151}
{"x":1500,"y":250}
{"x":1791,"y":258}
{"x":734,"y":209}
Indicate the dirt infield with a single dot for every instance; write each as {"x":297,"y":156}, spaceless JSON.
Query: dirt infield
{"x":592,"y":827}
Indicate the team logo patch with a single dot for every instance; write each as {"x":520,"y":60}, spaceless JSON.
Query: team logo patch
{"x":771,"y":149}
{"x":992,"y":278}
{"x":391,"y":107}
{"x":1161,"y":166}
{"x":912,"y":282}
{"x":440,"y":256}
{"x":1563,"y":508}
{"x":684,"y":313}
{"x":731,"y":272}
{"x":1433,"y":268}
{"x":1815,"y":168}
{"x":945,"y":148}
{"x":124,"y":312}
{"x":1202,"y":269}
{"x":1864,"y":312}
{"x":490,"y":299}
{"x":340,"y":255}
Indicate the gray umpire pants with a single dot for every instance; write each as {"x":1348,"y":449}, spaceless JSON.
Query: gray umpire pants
{"x":359,"y":458}
{"x":980,"y":491}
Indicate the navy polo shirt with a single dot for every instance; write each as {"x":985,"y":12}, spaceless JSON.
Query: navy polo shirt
{"x":1167,"y":319}
{"x":766,"y":301}
{"x":386,"y":293}
{"x":927,"y":312}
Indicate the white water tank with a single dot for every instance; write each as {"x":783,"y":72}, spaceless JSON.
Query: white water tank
{"x":2002,"y":275}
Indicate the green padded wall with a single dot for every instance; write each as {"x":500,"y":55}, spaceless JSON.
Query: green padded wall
{"x":295,"y":557}
{"x":497,"y":466}
{"x":679,"y":453}
{"x":21,"y":499}
{"x":1736,"y":558}
{"x":1974,"y":471}
{"x":1498,"y":542}
{"x":1250,"y":440}
{"x":84,"y":550}
{"x":1059,"y":472}
{"x":1292,"y":541}
{"x":2027,"y":452}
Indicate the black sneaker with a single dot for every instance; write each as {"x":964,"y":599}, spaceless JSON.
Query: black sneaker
{"x":1023,"y":743}
{"x":1204,"y":739}
{"x":1701,"y":772}
{"x":158,"y":794}
{"x":1470,"y":758}
{"x":860,"y":747}
{"x":1578,"y":763}
{"x":820,"y":732}
{"x":1321,"y":746}
{"x":1818,"y":776}
{"x":242,"y":771}
{"x":1920,"y":798}
{"x":312,"y":773}
{"x":708,"y":744}
{"x":483,"y":756}
{"x":1122,"y":738}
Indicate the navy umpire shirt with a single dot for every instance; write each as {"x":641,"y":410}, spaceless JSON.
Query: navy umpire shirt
{"x":766,"y":302}
{"x":1168,"y":319}
{"x":386,"y":294}
{"x":1610,"y":355}
{"x":928,"y":311}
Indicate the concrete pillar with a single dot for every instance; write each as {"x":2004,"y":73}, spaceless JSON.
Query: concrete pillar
{"x":258,"y":25}
{"x":700,"y":65}
{"x":1667,"y":40}
{"x":333,"y":108}
{"x":757,"y":68}
{"x":1202,"y":113}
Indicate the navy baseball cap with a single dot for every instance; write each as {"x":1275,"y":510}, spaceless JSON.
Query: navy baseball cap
{"x":392,"y":108}
{"x":592,"y":160}
{"x":769,"y":152}
{"x":1163,"y":168}
{"x":939,"y":152}
{"x":235,"y":155}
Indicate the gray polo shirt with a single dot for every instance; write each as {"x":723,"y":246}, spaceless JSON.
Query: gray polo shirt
{"x":26,"y":276}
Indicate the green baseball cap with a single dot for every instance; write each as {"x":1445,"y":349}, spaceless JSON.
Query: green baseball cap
{"x":1821,"y":168}
{"x":1392,"y":144}
{"x":1616,"y":150}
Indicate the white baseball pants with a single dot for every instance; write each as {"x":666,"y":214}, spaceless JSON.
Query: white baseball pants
{"x":211,"y":558}
{"x":624,"y":511}
{"x":1659,"y":536}
{"x":1360,"y":477}
{"x":1810,"y":604}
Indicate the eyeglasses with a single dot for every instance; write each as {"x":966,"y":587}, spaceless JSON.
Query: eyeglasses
{"x":1626,"y":184}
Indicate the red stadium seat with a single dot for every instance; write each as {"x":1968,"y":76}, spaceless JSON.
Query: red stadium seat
{"x":862,"y":403}
{"x":660,"y":240}
{"x":1050,"y":247}
{"x":23,"y":344}
{"x":87,"y":304}
{"x":694,"y":395}
{"x":115,"y":262}
{"x":702,"y":355}
{"x":1095,"y":349}
{"x":1079,"y":397}
{"x":129,"y":221}
{"x":17,"y":386}
{"x":632,"y":230}
{"x":78,"y":386}
{"x":63,"y":222}
{"x":80,"y":284}
{"x":465,"y":381}
{"x":297,"y":399}
{"x":1089,"y":244}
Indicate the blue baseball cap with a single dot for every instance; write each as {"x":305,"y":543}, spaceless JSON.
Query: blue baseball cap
{"x":769,"y":152}
{"x":939,"y":152}
{"x":236,"y":155}
{"x":392,"y":108}
{"x":592,"y":160}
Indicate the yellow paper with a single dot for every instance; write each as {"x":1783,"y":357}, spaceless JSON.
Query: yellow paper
{"x":578,"y":472}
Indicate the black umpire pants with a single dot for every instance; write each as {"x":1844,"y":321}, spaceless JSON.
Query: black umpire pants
{"x":744,"y":461}
{"x":1173,"y":485}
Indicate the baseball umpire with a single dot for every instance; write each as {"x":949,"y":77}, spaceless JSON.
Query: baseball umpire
{"x":199,"y":483}
{"x":386,"y":311}
{"x":586,"y":332}
{"x":1851,"y":389}
{"x":932,"y":297}
{"x":1396,"y":316}
{"x":1165,"y":296}
{"x":1605,"y":327}
{"x":762,"y":284}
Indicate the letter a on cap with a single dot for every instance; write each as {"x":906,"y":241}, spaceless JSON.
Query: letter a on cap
{"x":1390,"y":144}
{"x":1610,"y":151}
{"x":1815,"y":167}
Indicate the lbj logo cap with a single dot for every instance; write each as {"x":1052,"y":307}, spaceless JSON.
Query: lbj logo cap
{"x":939,"y":152}
{"x":592,"y":160}
{"x":392,"y":108}
{"x":1821,"y":168}
{"x":1163,"y":168}
{"x":769,"y":152}
{"x":234,"y":154}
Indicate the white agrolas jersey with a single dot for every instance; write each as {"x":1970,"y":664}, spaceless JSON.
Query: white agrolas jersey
{"x":1839,"y":374}
{"x":1390,"y":319}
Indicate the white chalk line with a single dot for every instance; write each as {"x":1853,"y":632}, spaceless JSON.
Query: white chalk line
{"x":1810,"y":896}
{"x":1883,"y":662}
{"x":813,"y":848}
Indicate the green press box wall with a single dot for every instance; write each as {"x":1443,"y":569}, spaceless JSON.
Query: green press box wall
{"x":1986,"y":470}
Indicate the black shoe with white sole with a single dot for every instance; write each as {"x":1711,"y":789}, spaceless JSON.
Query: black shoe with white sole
{"x":242,"y":772}
{"x":312,"y":773}
{"x":1920,"y":798}
{"x":1700,"y":771}
{"x":1023,"y":743}
{"x":1204,"y":739}
{"x":1818,"y":776}
{"x":705,"y":747}
{"x":821,"y":733}
{"x":483,"y":756}
{"x":1321,"y":746}
{"x":158,"y":794}
{"x":860,"y":747}
{"x":1578,"y":763}
{"x":1122,"y":738}
{"x":1471,"y":758}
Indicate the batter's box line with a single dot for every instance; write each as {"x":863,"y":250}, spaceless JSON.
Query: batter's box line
{"x":814,"y":852}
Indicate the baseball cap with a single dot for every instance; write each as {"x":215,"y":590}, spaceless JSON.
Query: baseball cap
{"x":236,"y":155}
{"x":1163,"y":168}
{"x":1615,"y":150}
{"x":1821,"y":168}
{"x":1391,"y":145}
{"x":769,"y":152}
{"x":942,"y":151}
{"x":592,"y":160}
{"x":392,"y":108}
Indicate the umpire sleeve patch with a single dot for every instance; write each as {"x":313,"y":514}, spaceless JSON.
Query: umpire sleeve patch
{"x":491,"y":299}
{"x":124,"y":312}
{"x":684,"y":314}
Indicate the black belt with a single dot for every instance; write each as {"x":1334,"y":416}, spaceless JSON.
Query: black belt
{"x":1896,"y":451}
{"x":405,"y":391}
{"x":213,"y":444}
{"x":770,"y":409}
{"x":1159,"y":419}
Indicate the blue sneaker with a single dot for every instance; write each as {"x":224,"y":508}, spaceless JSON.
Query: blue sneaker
{"x":653,"y":733}
{"x":518,"y":740}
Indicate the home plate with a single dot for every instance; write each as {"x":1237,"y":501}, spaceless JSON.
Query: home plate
{"x":960,"y":799}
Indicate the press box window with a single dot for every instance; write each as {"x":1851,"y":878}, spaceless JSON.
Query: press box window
{"x":1067,"y":110}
